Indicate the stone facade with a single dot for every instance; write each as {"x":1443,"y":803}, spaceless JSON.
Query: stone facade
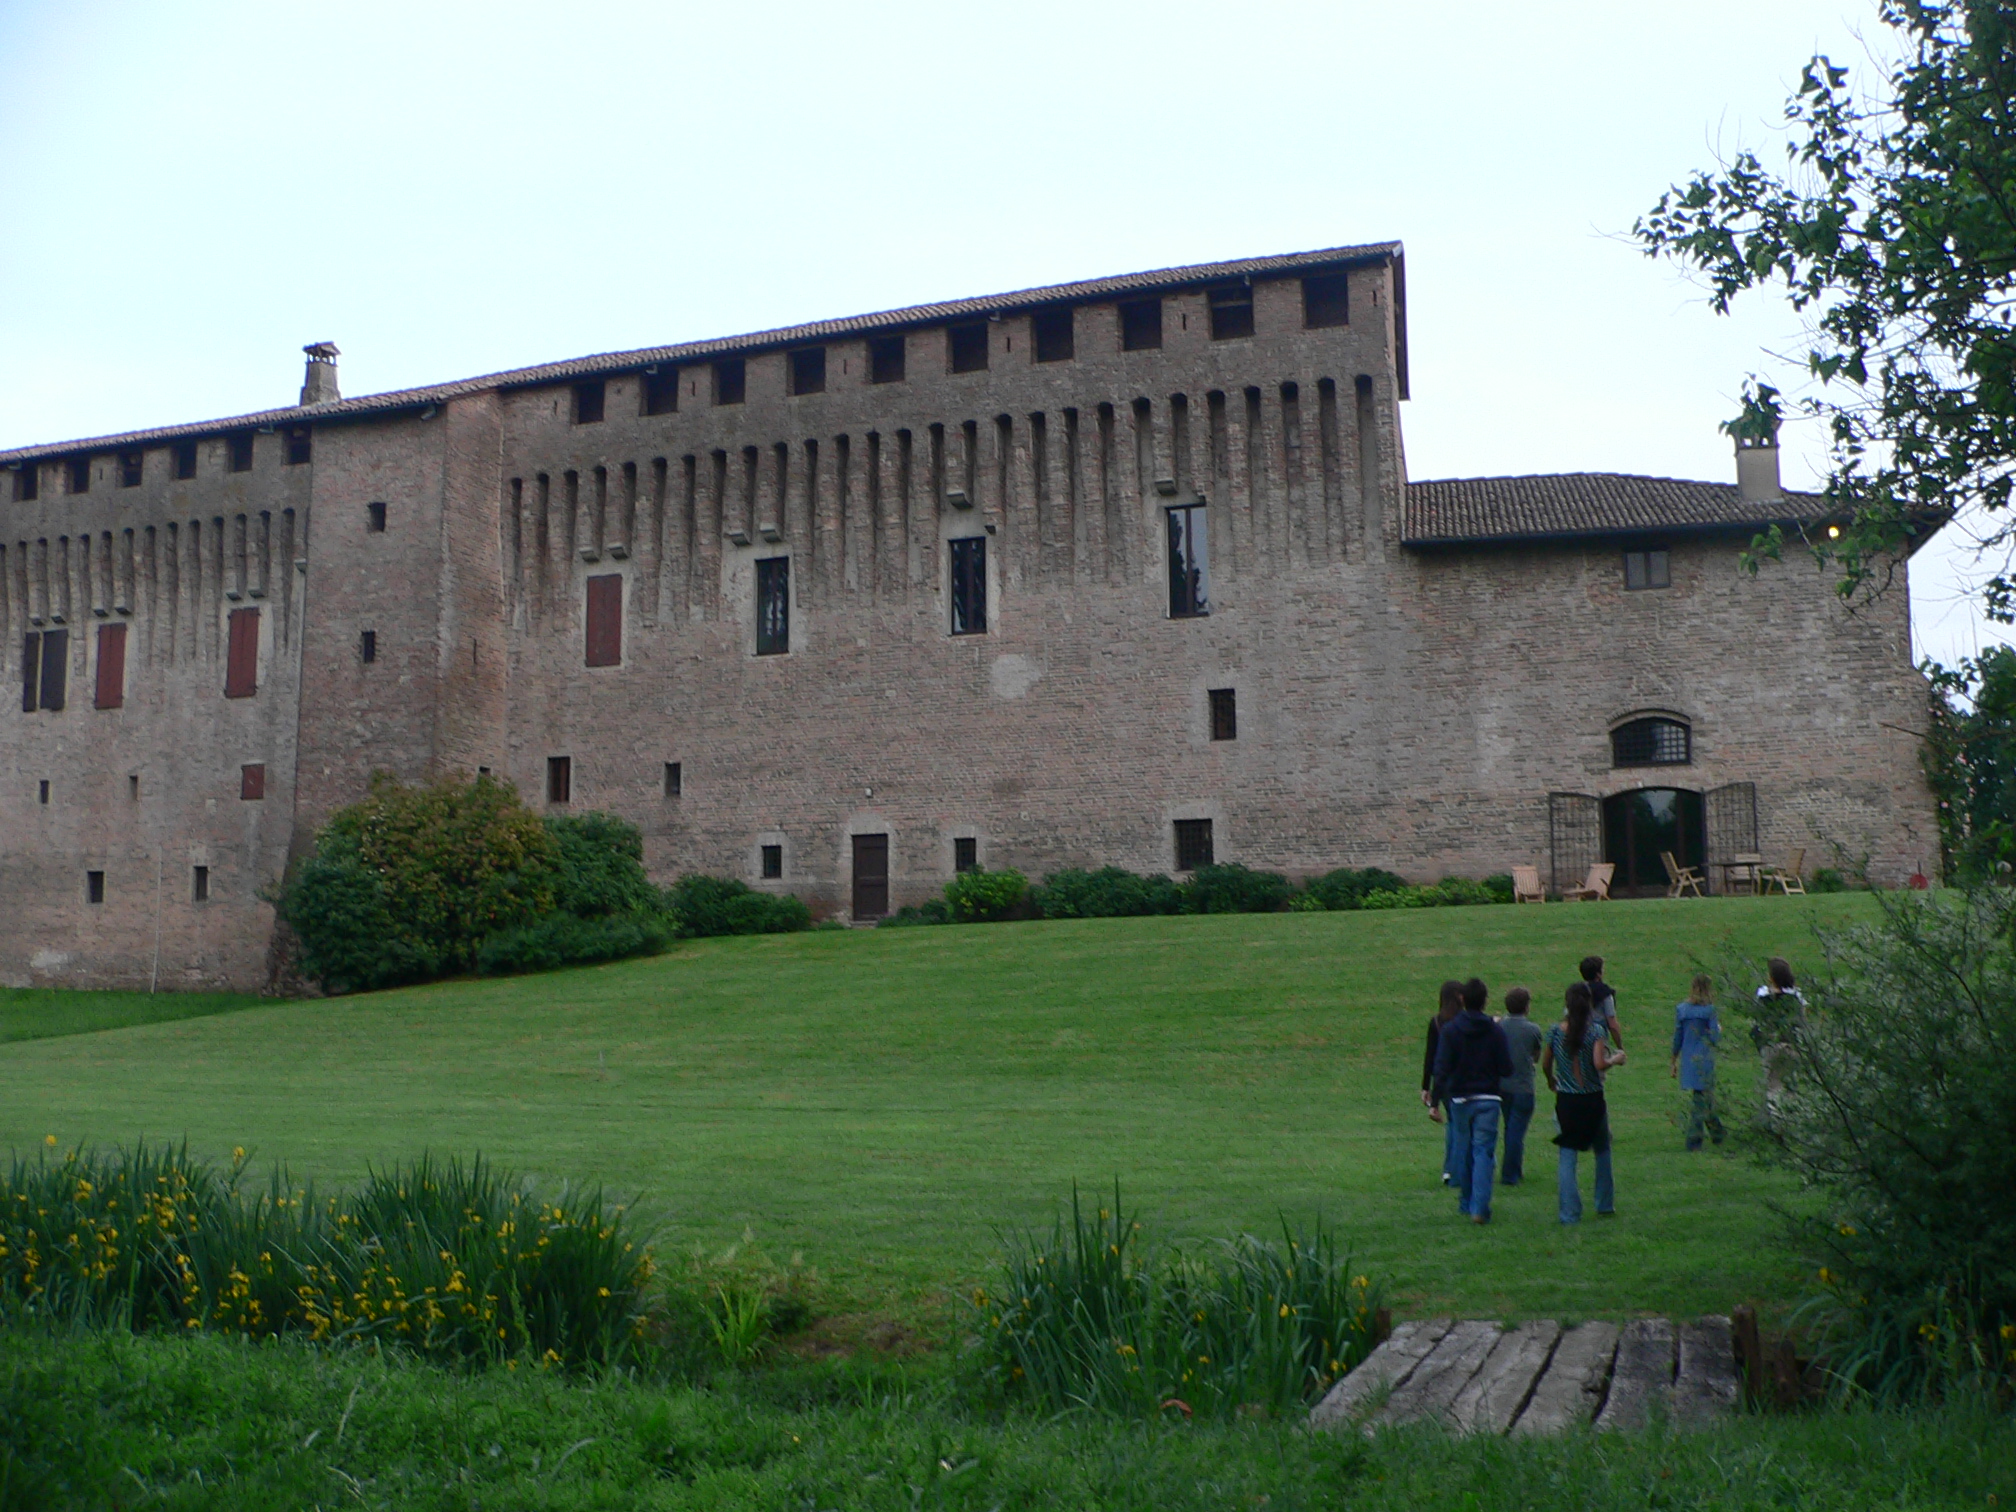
{"x":1406,"y":696}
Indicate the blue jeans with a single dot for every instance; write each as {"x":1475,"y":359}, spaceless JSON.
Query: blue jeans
{"x":1571,"y":1194}
{"x":1518,"y":1114}
{"x":1476,"y":1126}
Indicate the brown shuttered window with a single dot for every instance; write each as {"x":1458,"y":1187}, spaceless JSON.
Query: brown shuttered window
{"x":111,"y":666}
{"x":252,"y":781}
{"x":605,"y":620}
{"x":241,"y":666}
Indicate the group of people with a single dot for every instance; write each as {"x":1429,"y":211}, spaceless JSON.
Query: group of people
{"x":1477,"y":1077}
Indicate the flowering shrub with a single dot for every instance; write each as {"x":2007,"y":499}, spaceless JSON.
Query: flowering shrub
{"x":1087,"y":1317}
{"x":985,"y":897}
{"x":452,"y":1261}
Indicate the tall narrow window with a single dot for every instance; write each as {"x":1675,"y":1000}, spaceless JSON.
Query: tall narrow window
{"x":27,"y":482}
{"x":241,"y":662}
{"x":1231,"y":311}
{"x":969,"y":585}
{"x":31,"y":672}
{"x":885,"y":359}
{"x":239,"y":452}
{"x":1189,"y":563}
{"x":661,"y":391}
{"x":80,"y":475}
{"x":300,"y":446}
{"x":367,"y":646}
{"x":967,"y":347}
{"x":965,"y":854}
{"x":94,"y":887}
{"x":252,"y":782}
{"x":605,"y":620}
{"x":773,"y":606}
{"x":1651,"y":568}
{"x":132,"y":465}
{"x":1224,"y":714}
{"x":1053,"y":334}
{"x":1193,"y":844}
{"x":1140,"y":325}
{"x":559,"y":779}
{"x":1326,"y":300}
{"x":808,"y":370}
{"x":588,"y":398}
{"x":199,"y":884}
{"x":773,"y":862}
{"x":45,"y":670}
{"x":730,"y":380}
{"x":674,"y":781}
{"x":185,"y":460}
{"x":111,"y":688}
{"x":374,"y":517}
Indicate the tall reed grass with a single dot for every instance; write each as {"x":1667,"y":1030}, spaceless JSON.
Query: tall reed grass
{"x":1090,"y":1316}
{"x":454,"y":1261}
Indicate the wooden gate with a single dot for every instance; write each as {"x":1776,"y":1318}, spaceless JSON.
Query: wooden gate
{"x":1732,"y":826}
{"x":1574,"y":837}
{"x":871,"y":876}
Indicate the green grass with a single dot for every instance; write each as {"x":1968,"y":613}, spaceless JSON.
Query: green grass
{"x":211,"y":1425}
{"x":28,"y":1013}
{"x":884,"y":1101}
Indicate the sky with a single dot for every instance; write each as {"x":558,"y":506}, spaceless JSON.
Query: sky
{"x":191,"y":192}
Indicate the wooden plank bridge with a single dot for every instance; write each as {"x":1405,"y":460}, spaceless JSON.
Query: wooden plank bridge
{"x":1482,"y":1377}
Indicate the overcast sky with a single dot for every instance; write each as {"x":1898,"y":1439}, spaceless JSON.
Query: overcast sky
{"x":190,"y":192}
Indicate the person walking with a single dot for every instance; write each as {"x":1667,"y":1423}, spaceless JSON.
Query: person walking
{"x":1471,"y":1064}
{"x":1696,"y":1033}
{"x":1523,"y":1039}
{"x":1775,"y":1026}
{"x":1578,"y":1053}
{"x":1451,"y":1004}
{"x":1603,"y":1000}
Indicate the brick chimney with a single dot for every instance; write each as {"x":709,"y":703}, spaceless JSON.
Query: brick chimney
{"x":319,"y":387}
{"x":1757,"y":470}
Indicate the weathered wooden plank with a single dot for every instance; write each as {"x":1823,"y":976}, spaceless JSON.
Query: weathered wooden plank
{"x":1643,"y":1376}
{"x":1505,"y":1380}
{"x":1571,"y":1387}
{"x":1432,"y":1388}
{"x":1706,"y":1386}
{"x":1388,"y":1365}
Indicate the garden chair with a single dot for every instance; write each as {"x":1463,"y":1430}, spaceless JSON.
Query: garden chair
{"x":1685,"y":879}
{"x":1526,"y":886}
{"x":1787,"y":878}
{"x":1595,"y":887}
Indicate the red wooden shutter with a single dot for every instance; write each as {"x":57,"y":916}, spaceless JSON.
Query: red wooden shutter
{"x":241,"y":665}
{"x":111,"y":666}
{"x":252,"y":781}
{"x":605,"y":620}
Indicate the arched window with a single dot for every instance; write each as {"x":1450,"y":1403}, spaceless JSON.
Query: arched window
{"x":1651,"y":742}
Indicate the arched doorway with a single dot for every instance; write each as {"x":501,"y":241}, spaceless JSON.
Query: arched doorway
{"x":1639,"y":825}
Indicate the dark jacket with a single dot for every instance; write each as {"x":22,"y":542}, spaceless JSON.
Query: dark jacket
{"x":1428,"y":1060}
{"x":1473,"y":1058}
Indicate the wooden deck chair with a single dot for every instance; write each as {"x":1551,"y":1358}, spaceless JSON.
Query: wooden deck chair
{"x":1526,"y":886}
{"x":1685,"y":880}
{"x":1595,"y":887}
{"x":1787,"y":878}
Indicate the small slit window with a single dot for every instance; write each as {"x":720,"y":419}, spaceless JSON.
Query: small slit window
{"x":967,"y":346}
{"x":94,"y":887}
{"x":1193,"y":844}
{"x":199,"y":884}
{"x":367,"y":646}
{"x":773,"y":606}
{"x":969,"y":585}
{"x":1650,"y":568}
{"x":559,"y":779}
{"x":1224,"y":714}
{"x":374,"y":517}
{"x":773,"y":863}
{"x":675,"y":781}
{"x":885,"y":359}
{"x":1651,"y":742}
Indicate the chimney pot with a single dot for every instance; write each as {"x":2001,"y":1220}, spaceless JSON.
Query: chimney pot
{"x":1757,"y":471}
{"x":319,"y":387}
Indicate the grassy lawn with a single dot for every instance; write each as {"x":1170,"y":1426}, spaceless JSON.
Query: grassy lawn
{"x":884,"y":1100}
{"x":43,"y":1013}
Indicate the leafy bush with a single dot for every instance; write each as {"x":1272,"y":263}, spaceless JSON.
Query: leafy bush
{"x":1402,"y":896}
{"x":601,"y":866}
{"x":452,"y":1261}
{"x":1109,"y":893}
{"x":1085,"y":1317}
{"x":1898,"y":1110}
{"x":1458,"y":892}
{"x":1346,"y":888}
{"x":406,"y":884}
{"x":930,"y":911}
{"x":1499,"y":885}
{"x":708,"y":906}
{"x":1828,"y":880}
{"x":1232,"y":888}
{"x":562,"y":939}
{"x":984,"y":897}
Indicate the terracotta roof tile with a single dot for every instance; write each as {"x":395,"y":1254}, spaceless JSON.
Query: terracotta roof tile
{"x":1459,"y":511}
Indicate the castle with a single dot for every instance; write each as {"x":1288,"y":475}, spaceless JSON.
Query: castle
{"x":1118,"y":572}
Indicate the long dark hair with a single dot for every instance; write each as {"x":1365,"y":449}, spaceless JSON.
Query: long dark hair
{"x":1578,"y":1017}
{"x":1452,"y":1001}
{"x":1780,"y":971}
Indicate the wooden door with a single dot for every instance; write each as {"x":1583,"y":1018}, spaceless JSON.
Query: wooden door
{"x":871,"y":876}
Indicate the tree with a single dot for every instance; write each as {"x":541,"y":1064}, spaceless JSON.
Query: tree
{"x":1970,"y":762}
{"x":1895,"y":231}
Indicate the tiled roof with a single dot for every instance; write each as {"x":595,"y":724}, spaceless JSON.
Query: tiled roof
{"x":1461,"y":511}
{"x":728,"y":346}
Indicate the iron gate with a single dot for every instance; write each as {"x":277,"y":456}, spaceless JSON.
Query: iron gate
{"x":1731,"y":825}
{"x":1574,"y":837}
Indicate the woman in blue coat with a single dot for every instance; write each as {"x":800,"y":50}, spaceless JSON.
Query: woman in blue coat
{"x":1696,"y":1033}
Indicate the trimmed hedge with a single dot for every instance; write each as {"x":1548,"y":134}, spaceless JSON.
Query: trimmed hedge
{"x":1109,"y":893}
{"x":709,"y":906}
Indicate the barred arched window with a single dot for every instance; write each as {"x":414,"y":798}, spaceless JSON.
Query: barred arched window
{"x":1651,"y":742}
